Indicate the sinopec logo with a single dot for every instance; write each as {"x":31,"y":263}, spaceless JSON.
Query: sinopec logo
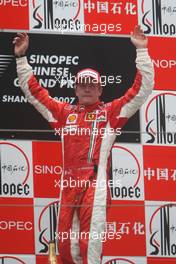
{"x":47,"y":225}
{"x":15,"y":225}
{"x":162,"y":231}
{"x":126,"y":173}
{"x":164,"y":63}
{"x":46,"y":169}
{"x":56,"y":15}
{"x":15,"y":170}
{"x":158,"y":17}
{"x":14,"y":3}
{"x":160,"y":119}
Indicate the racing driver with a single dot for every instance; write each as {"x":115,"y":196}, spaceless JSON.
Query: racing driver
{"x":86,"y":156}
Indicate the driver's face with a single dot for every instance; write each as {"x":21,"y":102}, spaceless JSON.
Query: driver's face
{"x":88,"y":91}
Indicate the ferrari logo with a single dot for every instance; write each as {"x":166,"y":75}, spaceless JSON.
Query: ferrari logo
{"x":90,"y":117}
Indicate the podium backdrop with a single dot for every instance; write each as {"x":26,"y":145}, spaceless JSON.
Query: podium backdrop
{"x":143,"y":210}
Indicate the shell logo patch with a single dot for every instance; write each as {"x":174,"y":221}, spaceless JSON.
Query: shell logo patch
{"x":71,"y":119}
